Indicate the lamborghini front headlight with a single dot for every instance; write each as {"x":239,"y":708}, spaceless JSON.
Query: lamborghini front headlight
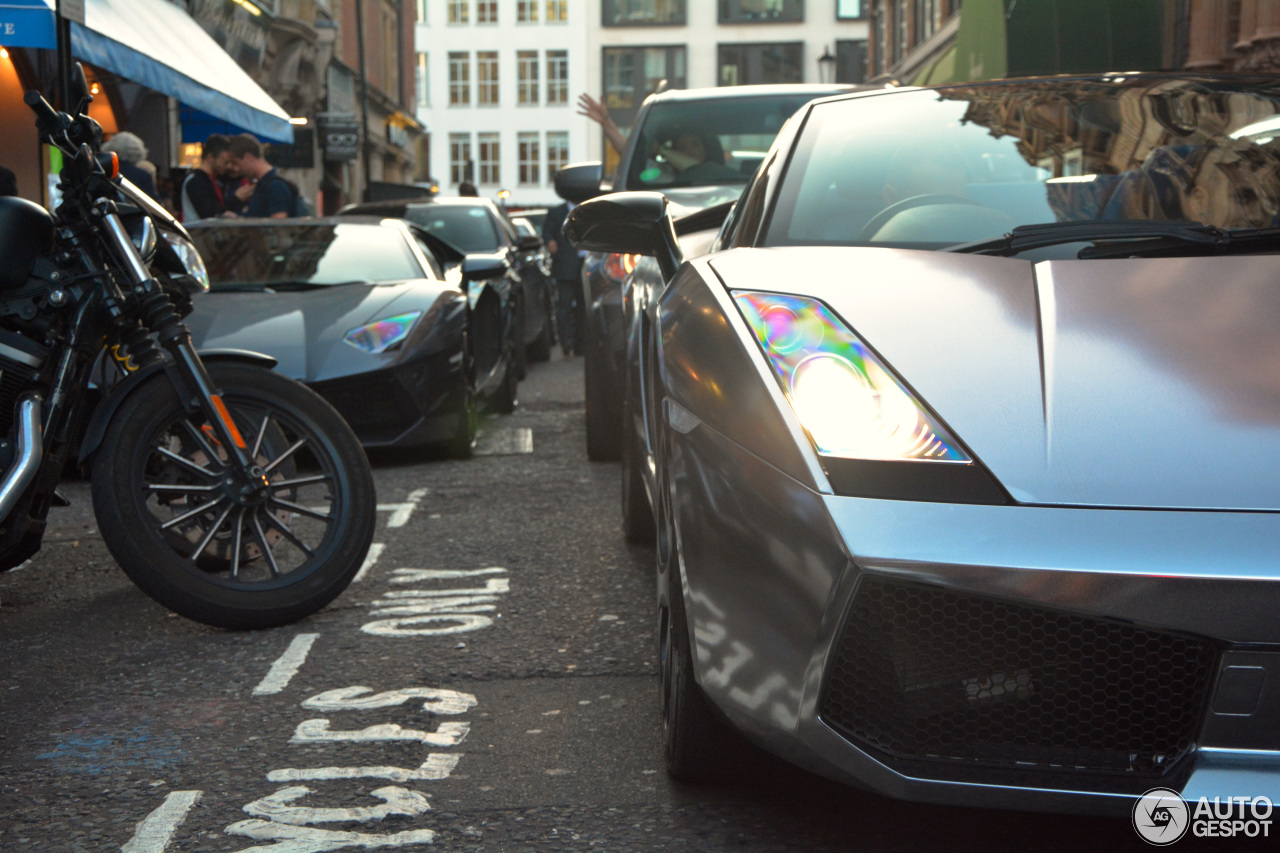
{"x":847,"y":400}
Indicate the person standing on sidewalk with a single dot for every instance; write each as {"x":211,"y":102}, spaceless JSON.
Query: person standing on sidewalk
{"x":272,"y":196}
{"x":566,"y":269}
{"x":202,"y":196}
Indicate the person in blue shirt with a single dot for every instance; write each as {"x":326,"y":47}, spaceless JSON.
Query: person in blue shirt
{"x":273,"y":197}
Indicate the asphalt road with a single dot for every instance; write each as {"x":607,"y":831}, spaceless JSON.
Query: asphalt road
{"x":505,"y":629}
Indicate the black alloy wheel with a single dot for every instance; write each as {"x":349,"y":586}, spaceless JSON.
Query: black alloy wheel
{"x":231,"y":548}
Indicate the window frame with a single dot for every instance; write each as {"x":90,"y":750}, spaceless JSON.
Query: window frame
{"x":458,"y":13}
{"x":528,"y":91}
{"x":557,"y":86}
{"x":488,"y":169}
{"x":616,"y":24}
{"x":527,"y":11}
{"x":488,"y":90}
{"x":552,"y":167}
{"x":459,"y":84}
{"x":458,"y":167}
{"x":749,"y":46}
{"x":528,"y":166}
{"x":725,"y":17}
{"x":861,"y":15}
{"x":557,"y":12}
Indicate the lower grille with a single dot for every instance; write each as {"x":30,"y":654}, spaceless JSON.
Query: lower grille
{"x":925,"y":673}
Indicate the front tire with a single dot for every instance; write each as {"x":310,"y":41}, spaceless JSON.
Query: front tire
{"x":206,"y":548}
{"x":603,"y":427}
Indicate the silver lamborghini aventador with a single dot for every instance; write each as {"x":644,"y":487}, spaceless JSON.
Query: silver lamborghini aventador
{"x":962,"y":445}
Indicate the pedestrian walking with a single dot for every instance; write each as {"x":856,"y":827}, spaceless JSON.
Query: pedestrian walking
{"x":566,"y":270}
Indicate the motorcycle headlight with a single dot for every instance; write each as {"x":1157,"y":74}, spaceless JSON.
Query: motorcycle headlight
{"x":848,"y":402}
{"x":384,"y":334}
{"x":190,"y":258}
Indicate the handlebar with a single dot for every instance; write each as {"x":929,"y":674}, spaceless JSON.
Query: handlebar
{"x":48,"y":120}
{"x":63,"y":131}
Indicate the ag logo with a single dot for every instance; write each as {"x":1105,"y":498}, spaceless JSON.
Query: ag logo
{"x":1161,"y":816}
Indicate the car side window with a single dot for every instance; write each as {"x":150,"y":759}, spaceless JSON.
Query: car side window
{"x":750,"y":208}
{"x":430,"y":257}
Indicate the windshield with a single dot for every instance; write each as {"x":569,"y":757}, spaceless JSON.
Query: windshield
{"x":470,"y":228}
{"x":704,"y":143}
{"x":929,"y":169}
{"x":320,"y":255}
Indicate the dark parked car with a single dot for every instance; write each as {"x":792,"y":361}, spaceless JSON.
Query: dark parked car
{"x":961,"y":444}
{"x":700,"y":147}
{"x":480,"y":228}
{"x":400,"y":331}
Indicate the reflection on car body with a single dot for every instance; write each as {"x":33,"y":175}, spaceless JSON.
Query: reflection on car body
{"x":962,"y":476}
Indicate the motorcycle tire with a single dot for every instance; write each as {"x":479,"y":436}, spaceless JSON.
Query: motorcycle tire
{"x":205,"y":548}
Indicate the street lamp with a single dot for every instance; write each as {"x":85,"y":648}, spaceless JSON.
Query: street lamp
{"x":826,"y":66}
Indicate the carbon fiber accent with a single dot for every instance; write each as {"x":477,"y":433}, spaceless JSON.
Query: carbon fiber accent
{"x":924,"y":673}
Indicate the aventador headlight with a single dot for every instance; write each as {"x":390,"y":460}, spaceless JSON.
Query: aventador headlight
{"x":381,"y":336}
{"x":190,"y":258}
{"x":851,"y":406}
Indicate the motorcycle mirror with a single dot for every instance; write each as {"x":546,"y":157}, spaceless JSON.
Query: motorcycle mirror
{"x":80,"y":89}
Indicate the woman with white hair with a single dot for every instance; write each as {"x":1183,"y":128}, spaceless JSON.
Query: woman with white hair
{"x":132,"y":153}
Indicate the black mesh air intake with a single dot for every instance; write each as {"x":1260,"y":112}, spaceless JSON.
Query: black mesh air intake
{"x":925,"y":673}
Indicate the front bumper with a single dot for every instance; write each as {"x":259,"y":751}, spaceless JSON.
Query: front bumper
{"x":413,"y":402}
{"x":1182,"y":605}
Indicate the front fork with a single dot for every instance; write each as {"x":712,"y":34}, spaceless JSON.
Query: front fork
{"x":194,"y":385}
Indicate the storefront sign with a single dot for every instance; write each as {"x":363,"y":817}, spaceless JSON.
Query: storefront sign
{"x":340,"y":138}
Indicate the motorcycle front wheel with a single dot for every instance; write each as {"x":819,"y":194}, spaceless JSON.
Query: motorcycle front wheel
{"x":196,"y":539}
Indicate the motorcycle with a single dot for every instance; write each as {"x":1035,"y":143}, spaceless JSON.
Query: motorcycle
{"x":230,"y":494}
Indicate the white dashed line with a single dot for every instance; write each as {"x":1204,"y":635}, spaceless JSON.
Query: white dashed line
{"x":286,"y":666}
{"x":153,"y":832}
{"x":506,"y":442}
{"x":400,"y":513}
{"x":375,"y":551}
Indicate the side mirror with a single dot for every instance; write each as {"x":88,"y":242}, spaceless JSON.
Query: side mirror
{"x":483,"y":269}
{"x":80,"y":90}
{"x":634,"y":223}
{"x":579,"y":182}
{"x":529,"y":243}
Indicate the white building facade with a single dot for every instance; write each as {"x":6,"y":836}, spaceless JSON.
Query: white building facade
{"x":498,"y":81}
{"x":633,"y":45}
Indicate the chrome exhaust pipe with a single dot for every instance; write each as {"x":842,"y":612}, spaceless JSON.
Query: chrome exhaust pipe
{"x":30,"y":452}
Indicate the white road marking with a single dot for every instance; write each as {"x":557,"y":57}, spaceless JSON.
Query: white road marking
{"x":491,"y":586}
{"x":401,"y":512}
{"x":439,"y":700}
{"x":286,"y":666}
{"x":434,"y":625}
{"x":318,"y":731}
{"x":505,"y":442}
{"x":309,"y":839}
{"x":437,"y":766}
{"x":279,"y":807}
{"x":153,"y":833}
{"x":375,"y":551}
{"x":415,"y":575}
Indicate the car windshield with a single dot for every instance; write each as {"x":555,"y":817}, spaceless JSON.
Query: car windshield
{"x":936,"y":168}
{"x":469,"y":227}
{"x":707,"y":142}
{"x":303,"y":256}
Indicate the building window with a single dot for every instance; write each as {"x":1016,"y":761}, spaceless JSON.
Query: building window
{"x":850,"y":10}
{"x":557,"y":153}
{"x":459,"y":11}
{"x":530,"y":163}
{"x":557,"y":11}
{"x":527,"y":11}
{"x":557,"y":78}
{"x":490,"y":164}
{"x":459,"y":79}
{"x":422,"y":81}
{"x":422,"y":11}
{"x":749,"y":64}
{"x":643,"y":13}
{"x":760,"y":11}
{"x":851,"y":61}
{"x":459,"y":158}
{"x":486,"y":11}
{"x":487,"y":78}
{"x":392,"y":80}
{"x":527,"y":78}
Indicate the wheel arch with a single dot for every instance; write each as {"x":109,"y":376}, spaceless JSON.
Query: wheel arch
{"x":106,"y":409}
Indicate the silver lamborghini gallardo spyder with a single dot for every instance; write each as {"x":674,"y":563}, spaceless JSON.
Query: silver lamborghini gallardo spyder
{"x":961,"y":447}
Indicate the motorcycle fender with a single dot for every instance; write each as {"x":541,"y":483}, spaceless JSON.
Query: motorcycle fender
{"x":106,"y":409}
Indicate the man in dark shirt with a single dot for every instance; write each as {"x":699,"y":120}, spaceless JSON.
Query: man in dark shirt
{"x":272,"y":197}
{"x":566,"y":269}
{"x":202,"y":196}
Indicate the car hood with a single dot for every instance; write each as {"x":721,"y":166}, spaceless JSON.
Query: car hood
{"x":1151,"y":383}
{"x":303,"y":330}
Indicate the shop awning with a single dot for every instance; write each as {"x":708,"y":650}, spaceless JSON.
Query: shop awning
{"x":156,"y":43}
{"x":27,"y":23}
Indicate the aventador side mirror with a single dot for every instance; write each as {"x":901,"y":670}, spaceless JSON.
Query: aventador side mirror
{"x":635,"y":223}
{"x":483,"y":269}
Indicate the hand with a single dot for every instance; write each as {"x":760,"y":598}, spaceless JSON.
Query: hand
{"x":245,"y":192}
{"x":599,"y":113}
{"x":551,"y":246}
